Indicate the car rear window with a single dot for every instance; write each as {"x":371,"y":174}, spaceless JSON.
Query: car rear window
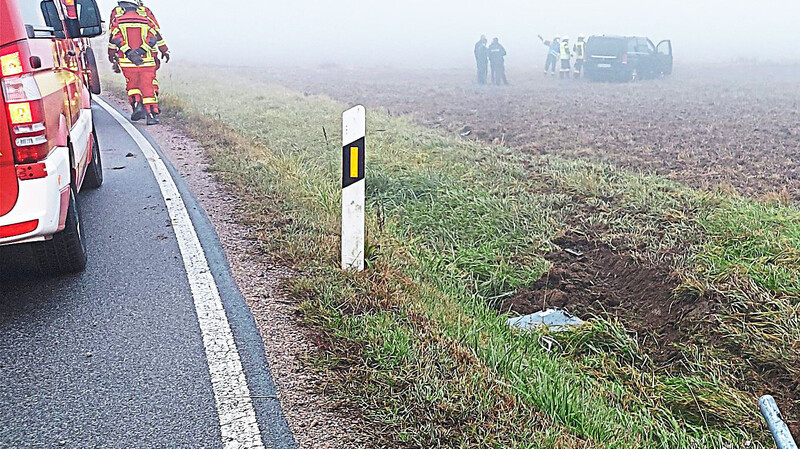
{"x":32,"y":13}
{"x":605,"y":46}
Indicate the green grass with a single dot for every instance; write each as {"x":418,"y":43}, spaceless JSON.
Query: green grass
{"x":416,"y":343}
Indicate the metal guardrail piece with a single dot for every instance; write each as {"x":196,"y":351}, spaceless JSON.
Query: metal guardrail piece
{"x":780,"y":431}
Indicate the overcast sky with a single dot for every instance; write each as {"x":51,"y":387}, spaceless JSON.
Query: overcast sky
{"x":409,"y":32}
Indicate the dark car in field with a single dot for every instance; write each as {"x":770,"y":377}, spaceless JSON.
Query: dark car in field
{"x":626,"y":58}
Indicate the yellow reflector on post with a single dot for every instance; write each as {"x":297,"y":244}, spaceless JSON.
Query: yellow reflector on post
{"x":20,"y":113}
{"x":354,"y":162}
{"x":10,"y":64}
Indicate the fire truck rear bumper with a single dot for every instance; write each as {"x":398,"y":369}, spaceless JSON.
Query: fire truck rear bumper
{"x":41,"y":202}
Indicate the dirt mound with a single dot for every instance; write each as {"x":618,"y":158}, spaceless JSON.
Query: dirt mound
{"x":589,"y":279}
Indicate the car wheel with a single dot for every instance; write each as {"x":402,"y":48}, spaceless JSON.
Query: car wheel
{"x":94,"y":172}
{"x":65,"y":253}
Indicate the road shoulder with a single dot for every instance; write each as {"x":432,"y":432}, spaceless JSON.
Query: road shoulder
{"x":313,"y":418}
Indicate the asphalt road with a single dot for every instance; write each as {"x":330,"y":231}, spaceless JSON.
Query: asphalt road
{"x":114,"y":357}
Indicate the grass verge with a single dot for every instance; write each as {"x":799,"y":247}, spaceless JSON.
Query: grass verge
{"x":417,"y":343}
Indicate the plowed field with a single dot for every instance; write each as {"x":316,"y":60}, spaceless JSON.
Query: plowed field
{"x":709,"y":126}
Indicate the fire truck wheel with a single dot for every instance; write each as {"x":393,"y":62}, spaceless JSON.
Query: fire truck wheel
{"x":94,"y":173}
{"x":65,"y":253}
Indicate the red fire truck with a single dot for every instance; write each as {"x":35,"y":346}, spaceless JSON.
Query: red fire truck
{"x":48,"y":147}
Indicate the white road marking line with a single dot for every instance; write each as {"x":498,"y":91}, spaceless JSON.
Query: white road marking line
{"x":237,"y":417}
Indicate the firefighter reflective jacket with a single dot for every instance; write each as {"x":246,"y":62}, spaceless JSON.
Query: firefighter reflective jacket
{"x":565,"y":54}
{"x":579,"y":49}
{"x":133,"y":29}
{"x":554,"y":49}
{"x":143,"y":11}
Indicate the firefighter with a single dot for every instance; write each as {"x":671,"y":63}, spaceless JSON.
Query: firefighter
{"x":145,"y":12}
{"x":566,"y":56}
{"x":497,"y":56}
{"x":482,"y":59}
{"x":553,"y":50}
{"x":580,"y":54}
{"x":134,"y":42}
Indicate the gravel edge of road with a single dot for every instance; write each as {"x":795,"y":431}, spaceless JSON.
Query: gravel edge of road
{"x":312,"y":418}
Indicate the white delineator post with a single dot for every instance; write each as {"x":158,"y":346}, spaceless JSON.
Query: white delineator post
{"x":354,"y":131}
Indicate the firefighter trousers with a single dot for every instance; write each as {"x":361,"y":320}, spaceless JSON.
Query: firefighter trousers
{"x":142,"y":86}
{"x":550,"y":64}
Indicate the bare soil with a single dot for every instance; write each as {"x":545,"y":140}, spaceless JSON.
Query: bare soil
{"x":708,"y":126}
{"x":589,"y":279}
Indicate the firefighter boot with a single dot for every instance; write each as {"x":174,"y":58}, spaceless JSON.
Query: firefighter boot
{"x":138,"y":112}
{"x":152,"y":119}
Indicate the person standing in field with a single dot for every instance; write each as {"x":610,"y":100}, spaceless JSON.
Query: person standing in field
{"x":580,"y":54}
{"x":566,"y":57}
{"x":553,"y":50}
{"x":482,"y":59}
{"x":497,"y":55}
{"x":134,"y":42}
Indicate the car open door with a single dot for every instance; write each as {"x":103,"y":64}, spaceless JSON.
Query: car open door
{"x":664,"y":50}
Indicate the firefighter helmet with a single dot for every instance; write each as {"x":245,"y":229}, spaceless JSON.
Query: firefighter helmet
{"x":565,"y":38}
{"x":581,"y":37}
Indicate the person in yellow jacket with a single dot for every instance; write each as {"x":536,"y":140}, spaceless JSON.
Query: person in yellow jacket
{"x":566,"y":57}
{"x":579,"y":49}
{"x":134,"y":43}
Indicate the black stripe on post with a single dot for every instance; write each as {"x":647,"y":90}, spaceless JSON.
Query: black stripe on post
{"x":353,"y":156}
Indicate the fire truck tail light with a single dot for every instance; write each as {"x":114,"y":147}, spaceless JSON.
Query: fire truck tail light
{"x":20,"y":113}
{"x":26,"y":120}
{"x":24,"y":104}
{"x":31,"y":141}
{"x":31,"y":154}
{"x":18,"y":229}
{"x":11,"y":64}
{"x":21,"y":88}
{"x":29,"y":129}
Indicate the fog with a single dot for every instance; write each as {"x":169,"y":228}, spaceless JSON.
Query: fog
{"x":430,"y":33}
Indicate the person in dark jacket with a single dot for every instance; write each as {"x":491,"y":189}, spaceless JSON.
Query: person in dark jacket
{"x":497,"y":56}
{"x":482,"y":59}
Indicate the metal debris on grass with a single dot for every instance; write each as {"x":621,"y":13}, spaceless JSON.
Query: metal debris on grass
{"x":554,"y":319}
